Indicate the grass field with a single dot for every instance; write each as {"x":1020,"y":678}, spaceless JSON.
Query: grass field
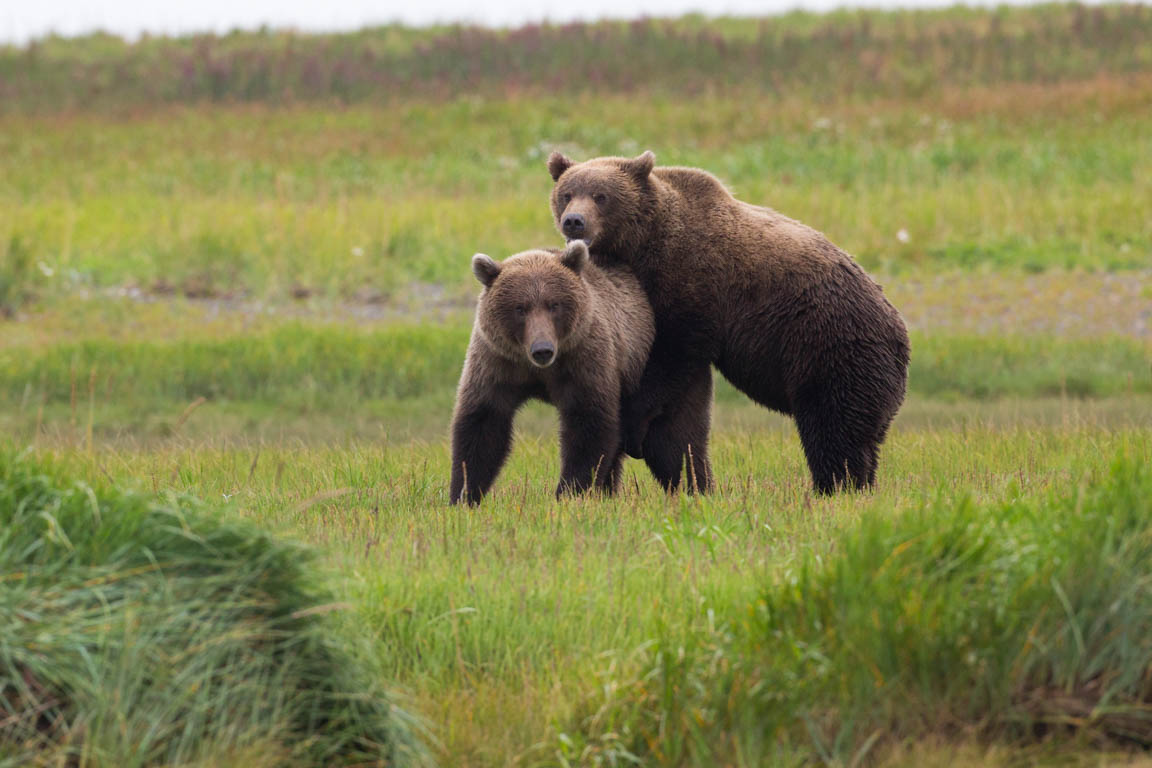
{"x":238,"y":267}
{"x":528,"y":629}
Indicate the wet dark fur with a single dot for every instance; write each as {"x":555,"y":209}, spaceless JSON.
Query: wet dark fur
{"x":601,"y":325}
{"x":785,"y":315}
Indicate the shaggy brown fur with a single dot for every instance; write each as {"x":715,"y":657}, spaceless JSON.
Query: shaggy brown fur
{"x":556,"y":327}
{"x":784,"y":314}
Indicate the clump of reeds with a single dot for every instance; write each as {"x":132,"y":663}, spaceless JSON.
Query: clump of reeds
{"x":142,"y":631}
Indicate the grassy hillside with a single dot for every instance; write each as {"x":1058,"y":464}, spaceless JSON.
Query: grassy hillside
{"x":822,"y":58}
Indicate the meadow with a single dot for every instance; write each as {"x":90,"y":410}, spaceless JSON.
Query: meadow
{"x":237,"y":267}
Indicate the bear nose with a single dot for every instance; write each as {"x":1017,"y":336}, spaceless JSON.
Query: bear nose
{"x":542,"y":353}
{"x":572,"y":223}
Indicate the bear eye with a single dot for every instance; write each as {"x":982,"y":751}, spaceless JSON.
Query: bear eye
{"x":555,"y":306}
{"x":599,"y":198}
{"x":521,"y":310}
{"x":566,"y":198}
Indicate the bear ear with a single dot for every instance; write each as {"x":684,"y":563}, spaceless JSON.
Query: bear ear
{"x":485,"y":269}
{"x":557,"y":164}
{"x":639,"y":167}
{"x":575,"y":256}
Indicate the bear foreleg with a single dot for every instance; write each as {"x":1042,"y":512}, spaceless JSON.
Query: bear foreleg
{"x":590,"y":449}
{"x":481,"y":440}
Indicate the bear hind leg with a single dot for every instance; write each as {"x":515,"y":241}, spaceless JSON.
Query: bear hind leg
{"x":839,"y":456}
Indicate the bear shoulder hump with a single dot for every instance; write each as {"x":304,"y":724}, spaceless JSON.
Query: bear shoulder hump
{"x":693,"y":182}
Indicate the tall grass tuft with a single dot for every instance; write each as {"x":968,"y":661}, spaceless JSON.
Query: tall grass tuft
{"x":1014,"y":620}
{"x":140,"y":631}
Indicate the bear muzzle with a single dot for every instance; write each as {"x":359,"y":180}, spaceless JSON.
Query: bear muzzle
{"x":580,"y":220}
{"x":543,"y":353}
{"x":573,"y":226}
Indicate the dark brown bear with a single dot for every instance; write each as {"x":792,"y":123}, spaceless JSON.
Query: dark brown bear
{"x":785,"y":315}
{"x":552,"y":326}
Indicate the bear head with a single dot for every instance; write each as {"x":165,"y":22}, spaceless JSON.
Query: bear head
{"x":602,"y":201}
{"x":534,"y":304}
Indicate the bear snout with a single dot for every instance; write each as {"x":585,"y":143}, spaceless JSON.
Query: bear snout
{"x":542,"y":353}
{"x":572,"y":225}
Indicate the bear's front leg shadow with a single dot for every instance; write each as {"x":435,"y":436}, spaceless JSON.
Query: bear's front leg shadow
{"x":636,"y":414}
{"x":666,"y":381}
{"x":590,"y":451}
{"x":481,"y":439}
{"x":678,"y":438}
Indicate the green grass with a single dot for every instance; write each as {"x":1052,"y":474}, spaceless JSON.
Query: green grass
{"x":1017,"y":617}
{"x":363,"y":203}
{"x":385,"y":201}
{"x":145,"y":631}
{"x":511,"y":626}
{"x":301,"y":369}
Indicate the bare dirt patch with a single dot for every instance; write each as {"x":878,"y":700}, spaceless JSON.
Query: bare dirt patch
{"x":1059,"y":303}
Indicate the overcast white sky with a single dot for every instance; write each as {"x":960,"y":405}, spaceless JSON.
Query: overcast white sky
{"x":21,"y":20}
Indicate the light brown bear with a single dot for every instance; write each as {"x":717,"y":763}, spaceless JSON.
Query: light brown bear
{"x":786,"y":316}
{"x":553,"y":326}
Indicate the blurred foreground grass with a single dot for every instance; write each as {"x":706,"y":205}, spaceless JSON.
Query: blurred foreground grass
{"x":148,"y":631}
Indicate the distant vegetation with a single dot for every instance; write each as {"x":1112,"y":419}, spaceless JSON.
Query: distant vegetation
{"x":821,"y":58}
{"x":275,"y":164}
